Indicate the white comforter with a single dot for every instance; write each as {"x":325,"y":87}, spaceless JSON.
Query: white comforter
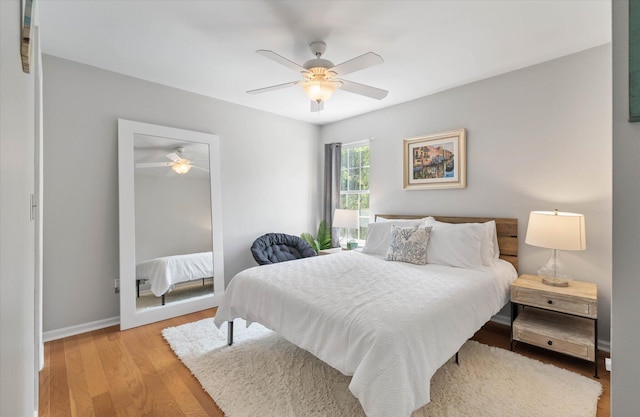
{"x":163,"y":273}
{"x":390,"y":325}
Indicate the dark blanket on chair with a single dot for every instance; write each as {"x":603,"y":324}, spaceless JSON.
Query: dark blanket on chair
{"x":280,"y":247}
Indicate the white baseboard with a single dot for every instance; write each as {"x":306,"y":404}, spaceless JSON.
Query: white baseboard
{"x":603,"y":345}
{"x":79,"y":328}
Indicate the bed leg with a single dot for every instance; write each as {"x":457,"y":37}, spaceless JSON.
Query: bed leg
{"x":138,"y":287}
{"x":457,"y":361}
{"x":230,"y":332}
{"x":162,"y":299}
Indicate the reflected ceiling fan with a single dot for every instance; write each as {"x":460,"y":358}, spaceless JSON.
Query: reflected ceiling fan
{"x":179,"y":162}
{"x":320,"y":75}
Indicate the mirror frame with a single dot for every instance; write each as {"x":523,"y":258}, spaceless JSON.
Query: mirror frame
{"x":129,"y":314}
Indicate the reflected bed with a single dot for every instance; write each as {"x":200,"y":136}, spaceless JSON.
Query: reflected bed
{"x":165,"y":272}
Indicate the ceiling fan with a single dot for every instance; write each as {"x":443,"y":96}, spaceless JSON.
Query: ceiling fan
{"x":179,"y":162}
{"x":320,"y":75}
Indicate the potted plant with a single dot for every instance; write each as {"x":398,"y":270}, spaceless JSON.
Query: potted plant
{"x":322,"y":240}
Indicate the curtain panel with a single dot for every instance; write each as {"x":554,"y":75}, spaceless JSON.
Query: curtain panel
{"x":332,"y":165}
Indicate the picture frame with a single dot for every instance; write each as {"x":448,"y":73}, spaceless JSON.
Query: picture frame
{"x":25,"y":32}
{"x":634,"y":61}
{"x":435,"y":161}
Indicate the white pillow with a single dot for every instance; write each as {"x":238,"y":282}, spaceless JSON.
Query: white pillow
{"x":456,"y":244}
{"x":379,"y":235}
{"x":380,"y":219}
{"x":489,"y":249}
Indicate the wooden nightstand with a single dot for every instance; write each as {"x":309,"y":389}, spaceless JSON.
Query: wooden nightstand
{"x":562,"y":319}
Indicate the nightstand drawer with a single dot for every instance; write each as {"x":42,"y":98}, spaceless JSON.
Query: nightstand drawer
{"x":565,"y":334}
{"x":555,"y":302}
{"x":551,"y":343}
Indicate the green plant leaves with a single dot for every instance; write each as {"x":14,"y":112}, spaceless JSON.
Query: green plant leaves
{"x":324,"y":235}
{"x":308,"y":237}
{"x":322,"y":239}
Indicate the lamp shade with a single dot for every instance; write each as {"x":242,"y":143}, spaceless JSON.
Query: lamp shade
{"x":346,"y":219}
{"x":556,"y":230}
{"x":181,"y":167}
{"x":319,"y":90}
{"x":319,"y":86}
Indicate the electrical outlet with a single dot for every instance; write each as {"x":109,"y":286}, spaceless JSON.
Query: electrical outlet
{"x":117,"y":283}
{"x":607,"y":364}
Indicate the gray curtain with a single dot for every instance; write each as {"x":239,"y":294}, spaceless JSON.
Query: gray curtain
{"x":332,"y":165}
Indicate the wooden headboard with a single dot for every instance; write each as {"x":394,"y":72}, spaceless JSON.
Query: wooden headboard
{"x":507,"y":231}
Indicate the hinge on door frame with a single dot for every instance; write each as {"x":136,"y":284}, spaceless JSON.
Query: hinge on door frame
{"x":32,"y":209}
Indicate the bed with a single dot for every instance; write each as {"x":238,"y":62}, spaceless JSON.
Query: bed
{"x":165,"y":272}
{"x":389,"y":325}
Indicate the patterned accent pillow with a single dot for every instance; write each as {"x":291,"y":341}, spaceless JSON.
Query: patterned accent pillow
{"x":409,"y":244}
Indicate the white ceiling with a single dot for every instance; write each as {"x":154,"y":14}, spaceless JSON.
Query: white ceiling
{"x":208,"y":47}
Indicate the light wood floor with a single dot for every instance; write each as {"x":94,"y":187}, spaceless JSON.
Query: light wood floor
{"x":134,"y":373}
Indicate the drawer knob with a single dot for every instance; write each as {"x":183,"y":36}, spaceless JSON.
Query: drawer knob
{"x":549,"y":343}
{"x":550,"y":302}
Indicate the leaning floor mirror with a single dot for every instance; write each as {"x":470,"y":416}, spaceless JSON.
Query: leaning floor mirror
{"x":171,"y":258}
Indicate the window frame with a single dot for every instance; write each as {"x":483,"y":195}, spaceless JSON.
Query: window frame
{"x":363,"y":217}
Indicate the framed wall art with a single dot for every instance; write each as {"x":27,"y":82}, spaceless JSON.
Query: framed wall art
{"x":435,"y":161}
{"x":25,"y":38}
{"x":634,"y":61}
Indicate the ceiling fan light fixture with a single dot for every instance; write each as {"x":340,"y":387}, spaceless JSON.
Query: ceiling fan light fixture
{"x":181,"y":167}
{"x":319,"y":74}
{"x":319,"y":90}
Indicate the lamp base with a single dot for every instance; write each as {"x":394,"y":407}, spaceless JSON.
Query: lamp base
{"x":553,"y":272}
{"x":555,"y":282}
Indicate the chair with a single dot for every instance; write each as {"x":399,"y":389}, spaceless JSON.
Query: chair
{"x":280,"y":247}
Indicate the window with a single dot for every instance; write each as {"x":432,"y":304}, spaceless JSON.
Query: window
{"x":354,"y":185}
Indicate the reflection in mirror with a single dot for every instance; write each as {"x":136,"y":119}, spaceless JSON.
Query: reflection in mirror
{"x":174,"y":249}
{"x":171,"y":257}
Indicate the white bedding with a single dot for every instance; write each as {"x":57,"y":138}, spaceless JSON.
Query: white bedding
{"x":163,"y":273}
{"x":390,"y":325}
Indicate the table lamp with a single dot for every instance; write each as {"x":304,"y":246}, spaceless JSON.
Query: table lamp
{"x":557,"y":231}
{"x":346,"y":219}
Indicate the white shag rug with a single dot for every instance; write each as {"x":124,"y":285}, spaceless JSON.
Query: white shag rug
{"x":264,"y":375}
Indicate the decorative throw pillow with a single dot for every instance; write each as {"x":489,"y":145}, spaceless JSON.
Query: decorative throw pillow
{"x":409,"y":244}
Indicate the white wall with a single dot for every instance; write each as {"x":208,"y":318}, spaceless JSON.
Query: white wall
{"x":537,"y":139}
{"x":17,"y":131}
{"x":267,"y":162}
{"x":173,"y":215}
{"x":625,"y":337}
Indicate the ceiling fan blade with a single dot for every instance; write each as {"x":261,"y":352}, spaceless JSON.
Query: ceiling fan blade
{"x":282,"y":60}
{"x":317,"y":106}
{"x":200,"y":168}
{"x":153,"y":164}
{"x":363,"y":90}
{"x":173,"y":156}
{"x":273,"y":87}
{"x":358,"y":63}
